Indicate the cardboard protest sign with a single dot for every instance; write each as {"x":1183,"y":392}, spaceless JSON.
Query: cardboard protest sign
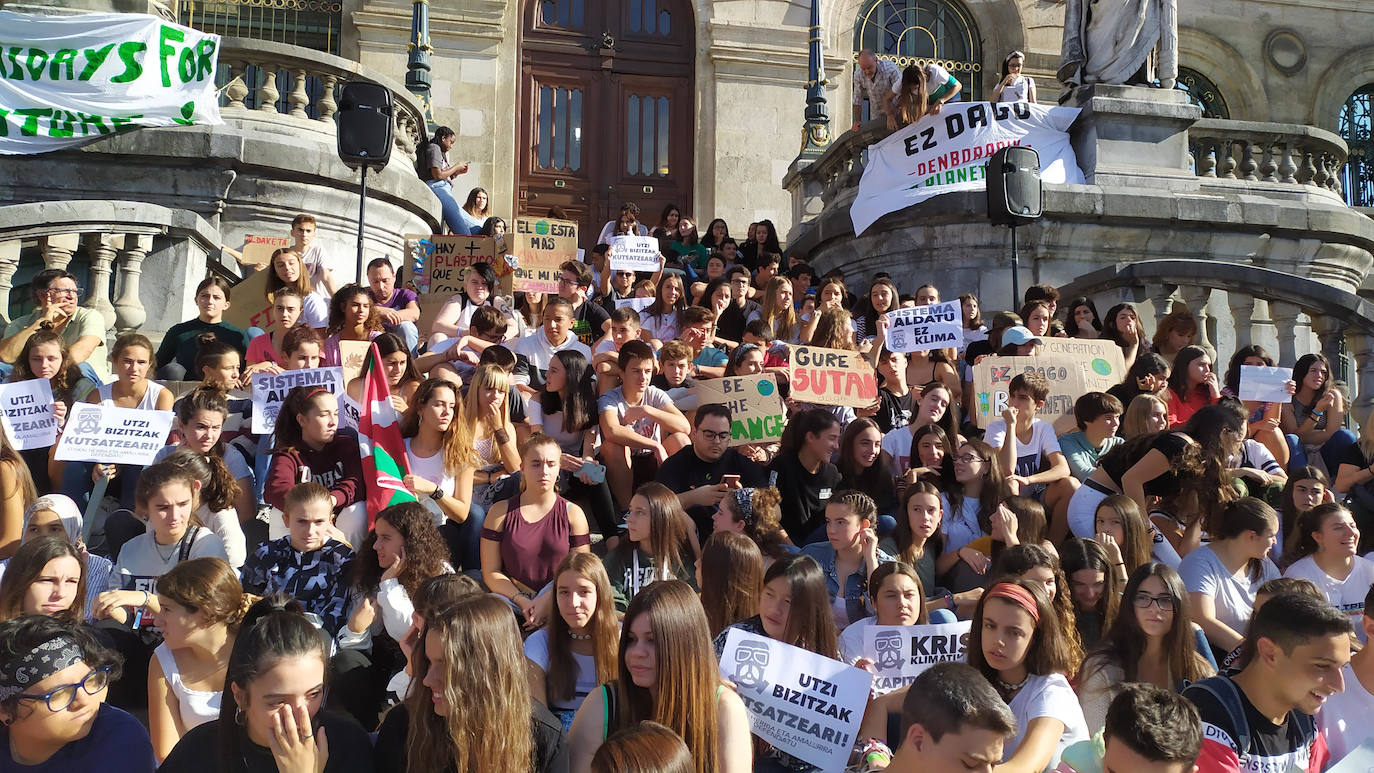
{"x":257,"y":250}
{"x":831,"y":377}
{"x":1069,"y":378}
{"x":756,"y":408}
{"x":804,"y":703}
{"x":1265,"y":385}
{"x":634,"y":253}
{"x":922,"y":328}
{"x":99,"y":433}
{"x":1101,"y":355}
{"x":249,"y":306}
{"x":901,"y":652}
{"x":436,"y":265}
{"x":540,"y":246}
{"x":28,"y":415}
{"x":351,"y":356}
{"x":270,"y":390}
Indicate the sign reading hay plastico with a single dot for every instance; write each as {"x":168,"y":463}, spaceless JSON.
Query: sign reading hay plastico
{"x":755,"y":406}
{"x":949,"y":151}
{"x":1069,"y":378}
{"x":65,"y":80}
{"x":805,"y":704}
{"x":435,"y":267}
{"x":540,"y":247}
{"x":922,"y":328}
{"x":901,"y":652}
{"x":634,"y":253}
{"x":831,"y":377}
{"x":99,"y":433}
{"x":28,"y":415}
{"x":270,"y":390}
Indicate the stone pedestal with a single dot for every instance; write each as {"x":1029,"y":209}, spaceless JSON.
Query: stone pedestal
{"x":1133,"y":136}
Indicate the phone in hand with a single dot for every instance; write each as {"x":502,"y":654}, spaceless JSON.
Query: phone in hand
{"x":730,"y":480}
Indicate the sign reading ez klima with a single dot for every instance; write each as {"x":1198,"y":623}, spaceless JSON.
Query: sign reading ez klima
{"x":65,"y":80}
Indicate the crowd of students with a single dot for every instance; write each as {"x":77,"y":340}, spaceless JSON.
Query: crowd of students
{"x":586,"y":533}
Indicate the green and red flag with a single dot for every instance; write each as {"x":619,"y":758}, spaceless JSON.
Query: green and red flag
{"x":379,"y":435}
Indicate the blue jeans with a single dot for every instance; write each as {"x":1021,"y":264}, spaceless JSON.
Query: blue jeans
{"x":1332,"y":450}
{"x":453,"y":217}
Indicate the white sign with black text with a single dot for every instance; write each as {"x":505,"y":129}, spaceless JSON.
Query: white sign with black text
{"x":102,"y":433}
{"x":634,"y":253}
{"x":922,"y":328}
{"x":901,"y":652}
{"x":270,"y":390}
{"x":29,"y":417}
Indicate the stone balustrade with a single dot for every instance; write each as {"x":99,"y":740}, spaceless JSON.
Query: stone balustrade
{"x":1284,"y":154}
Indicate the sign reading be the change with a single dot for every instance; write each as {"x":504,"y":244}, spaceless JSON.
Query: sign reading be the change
{"x":922,"y":328}
{"x":757,"y":414}
{"x":634,"y":253}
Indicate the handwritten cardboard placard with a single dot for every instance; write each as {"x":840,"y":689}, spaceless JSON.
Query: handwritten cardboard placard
{"x":757,"y":413}
{"x":436,"y":265}
{"x":634,"y":253}
{"x":351,"y":356}
{"x":249,"y":305}
{"x":28,"y":415}
{"x":1069,"y":377}
{"x":257,"y":250}
{"x":901,"y":652}
{"x":1102,"y":356}
{"x":270,"y":390}
{"x":540,"y":246}
{"x":804,"y":703}
{"x":922,"y":328}
{"x":99,"y":433}
{"x":1265,"y":385}
{"x":831,"y":377}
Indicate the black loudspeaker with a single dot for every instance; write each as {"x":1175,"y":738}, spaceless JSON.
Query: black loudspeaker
{"x":365,"y":125}
{"x":1014,"y":186}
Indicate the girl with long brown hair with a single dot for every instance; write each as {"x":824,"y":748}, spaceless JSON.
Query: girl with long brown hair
{"x":353,"y":316}
{"x":576,"y":651}
{"x":656,"y":545}
{"x":440,"y":455}
{"x":980,"y":487}
{"x":834,"y":330}
{"x":486,"y":414}
{"x":667,"y":674}
{"x":1038,"y":565}
{"x":777,"y":311}
{"x":287,"y":270}
{"x":1124,"y":533}
{"x":794,"y":608}
{"x":730,"y":575}
{"x":756,"y":513}
{"x":1093,"y":587}
{"x":46,"y":576}
{"x":1224,"y":575}
{"x":45,"y":356}
{"x":898,"y":599}
{"x":659,"y":322}
{"x":1323,"y":549}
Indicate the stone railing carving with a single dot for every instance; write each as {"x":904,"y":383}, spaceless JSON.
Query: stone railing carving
{"x":312,"y":80}
{"x":1287,"y":154}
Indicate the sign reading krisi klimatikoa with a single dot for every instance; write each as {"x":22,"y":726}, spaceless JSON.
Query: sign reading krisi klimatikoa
{"x":922,"y":328}
{"x":100,"y":433}
{"x":634,"y":253}
{"x":756,"y":408}
{"x":28,"y":415}
{"x":901,"y":652}
{"x":948,"y":151}
{"x":831,"y":377}
{"x":805,"y":704}
{"x":65,"y":80}
{"x":270,"y":390}
{"x":541,"y":246}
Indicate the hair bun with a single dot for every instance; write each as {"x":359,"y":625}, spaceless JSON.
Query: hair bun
{"x":246,"y":602}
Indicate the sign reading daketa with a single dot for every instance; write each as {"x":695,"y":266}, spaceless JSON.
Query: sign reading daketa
{"x":1265,"y":385}
{"x":100,"y":433}
{"x":901,"y":652}
{"x":634,"y":253}
{"x":270,"y":390}
{"x":757,"y":413}
{"x":67,"y":80}
{"x":805,"y":704}
{"x":922,"y":328}
{"x":29,"y":418}
{"x":541,"y":246}
{"x":831,"y":377}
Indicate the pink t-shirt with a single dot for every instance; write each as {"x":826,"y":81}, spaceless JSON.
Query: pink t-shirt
{"x":260,"y":350}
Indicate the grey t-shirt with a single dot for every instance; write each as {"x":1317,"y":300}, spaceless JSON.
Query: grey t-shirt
{"x":431,"y":157}
{"x":654,"y":397}
{"x":1203,"y":572}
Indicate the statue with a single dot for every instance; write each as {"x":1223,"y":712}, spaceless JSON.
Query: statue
{"x":1120,"y":42}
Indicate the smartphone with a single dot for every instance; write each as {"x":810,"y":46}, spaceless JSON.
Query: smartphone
{"x":730,"y":480}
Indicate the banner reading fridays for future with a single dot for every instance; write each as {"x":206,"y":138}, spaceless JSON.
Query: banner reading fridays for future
{"x":949,"y":150}
{"x":65,"y":80}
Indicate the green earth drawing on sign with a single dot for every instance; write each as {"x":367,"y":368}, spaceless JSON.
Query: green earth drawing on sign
{"x":1101,"y":367}
{"x":541,"y":228}
{"x":765,"y":388}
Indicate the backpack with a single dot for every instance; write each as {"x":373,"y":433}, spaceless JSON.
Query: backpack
{"x":1227,"y":694}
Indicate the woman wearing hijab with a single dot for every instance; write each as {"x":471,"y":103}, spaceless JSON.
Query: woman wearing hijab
{"x":56,"y":515}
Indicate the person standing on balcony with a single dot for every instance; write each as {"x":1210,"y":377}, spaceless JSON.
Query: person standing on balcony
{"x":1014,"y":86}
{"x":873,"y":80}
{"x":55,"y":296}
{"x":438,"y":174}
{"x":920,"y":92}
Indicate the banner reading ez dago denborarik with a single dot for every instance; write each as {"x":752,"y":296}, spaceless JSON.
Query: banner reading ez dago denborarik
{"x":65,"y":80}
{"x":949,"y":150}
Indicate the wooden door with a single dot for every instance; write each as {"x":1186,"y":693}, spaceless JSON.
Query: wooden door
{"x":607,"y":109}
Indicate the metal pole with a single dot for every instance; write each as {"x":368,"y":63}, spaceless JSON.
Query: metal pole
{"x":362,"y":208}
{"x":1015,"y":269}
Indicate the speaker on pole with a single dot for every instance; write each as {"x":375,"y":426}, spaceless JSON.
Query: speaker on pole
{"x":365,"y":125}
{"x":1014,"y":187}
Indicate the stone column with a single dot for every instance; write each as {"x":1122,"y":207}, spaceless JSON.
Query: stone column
{"x":1361,"y":347}
{"x":1329,"y":331}
{"x":9,"y":263}
{"x":1242,"y":307}
{"x":1197,"y":299}
{"x":129,"y":311}
{"x":1161,"y":298}
{"x":58,"y":249}
{"x":1285,"y":318}
{"x":102,"y":249}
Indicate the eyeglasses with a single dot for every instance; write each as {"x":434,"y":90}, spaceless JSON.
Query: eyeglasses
{"x":64,"y":292}
{"x":562,"y":280}
{"x":970,"y":458}
{"x":60,"y":698}
{"x":1144,"y":600}
{"x":716,"y":437}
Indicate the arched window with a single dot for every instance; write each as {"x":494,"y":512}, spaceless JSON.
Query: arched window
{"x":1357,"y":129}
{"x":1202,"y":92}
{"x":920,"y":31}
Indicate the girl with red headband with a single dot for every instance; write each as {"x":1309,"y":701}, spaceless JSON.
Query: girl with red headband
{"x":1017,"y":643}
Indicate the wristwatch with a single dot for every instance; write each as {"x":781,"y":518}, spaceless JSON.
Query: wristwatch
{"x":437,"y":494}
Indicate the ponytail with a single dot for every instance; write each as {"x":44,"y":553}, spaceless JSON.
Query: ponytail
{"x":218,"y":488}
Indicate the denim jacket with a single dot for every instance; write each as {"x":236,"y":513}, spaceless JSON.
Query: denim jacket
{"x":857,"y":603}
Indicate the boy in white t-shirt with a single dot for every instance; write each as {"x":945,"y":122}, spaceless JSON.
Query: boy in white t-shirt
{"x":1030,"y":456}
{"x":639,"y":423}
{"x":1343,"y":716}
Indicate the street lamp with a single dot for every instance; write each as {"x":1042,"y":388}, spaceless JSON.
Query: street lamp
{"x":418,"y":78}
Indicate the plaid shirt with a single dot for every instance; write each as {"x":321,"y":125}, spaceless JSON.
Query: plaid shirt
{"x":878,"y":88}
{"x":315,"y":579}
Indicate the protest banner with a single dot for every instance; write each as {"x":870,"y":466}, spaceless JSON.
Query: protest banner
{"x":101,"y":433}
{"x":68,"y":80}
{"x":249,"y":306}
{"x":436,"y":265}
{"x":831,"y":377}
{"x":540,"y":246}
{"x":901,"y":652}
{"x":638,"y":304}
{"x":270,"y":390}
{"x":755,"y":406}
{"x":351,"y":356}
{"x":1069,"y":378}
{"x":949,"y":151}
{"x":257,"y":250}
{"x":922,"y":328}
{"x":634,"y":253}
{"x":1102,"y":355}
{"x":805,"y":704}
{"x":29,"y":418}
{"x":1265,"y":385}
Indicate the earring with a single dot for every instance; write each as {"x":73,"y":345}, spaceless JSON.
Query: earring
{"x":238,"y":717}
